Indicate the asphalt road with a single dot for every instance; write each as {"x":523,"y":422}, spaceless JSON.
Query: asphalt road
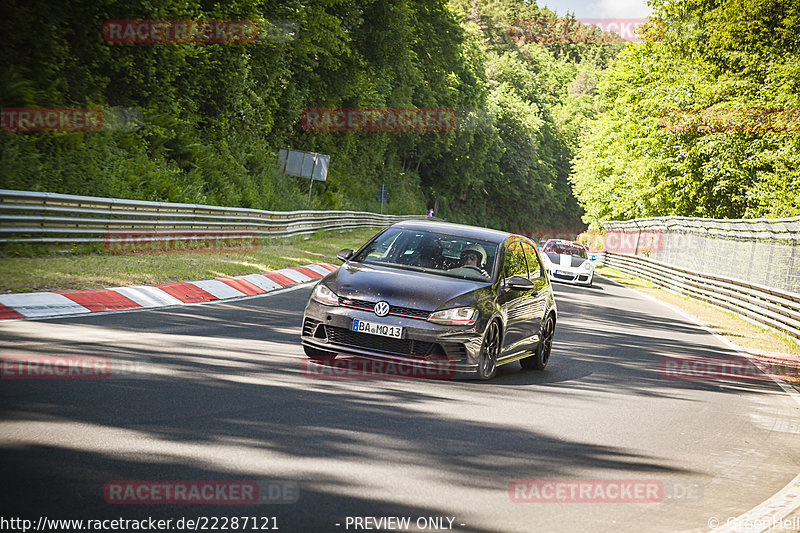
{"x":218,"y":392}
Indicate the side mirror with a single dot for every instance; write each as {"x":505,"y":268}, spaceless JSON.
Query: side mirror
{"x":518,"y":283}
{"x":344,"y":255}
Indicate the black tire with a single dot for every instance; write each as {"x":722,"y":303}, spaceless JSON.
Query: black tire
{"x":539,"y":359}
{"x":487,"y":362}
{"x":319,"y":355}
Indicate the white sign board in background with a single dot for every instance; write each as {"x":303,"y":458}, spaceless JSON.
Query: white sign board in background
{"x":304,"y":164}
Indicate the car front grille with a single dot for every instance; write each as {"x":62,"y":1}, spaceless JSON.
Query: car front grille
{"x":562,"y":276}
{"x":345,"y":337}
{"x":393,"y":309}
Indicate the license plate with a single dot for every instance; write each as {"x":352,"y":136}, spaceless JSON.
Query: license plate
{"x":564,"y":273}
{"x":374,"y":328}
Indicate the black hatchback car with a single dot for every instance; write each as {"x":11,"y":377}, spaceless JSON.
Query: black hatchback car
{"x":428,"y":293}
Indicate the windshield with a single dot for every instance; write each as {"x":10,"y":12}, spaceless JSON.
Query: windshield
{"x":436,"y":253}
{"x":561,"y":248}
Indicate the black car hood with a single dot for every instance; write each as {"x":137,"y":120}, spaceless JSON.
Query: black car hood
{"x":405,"y":288}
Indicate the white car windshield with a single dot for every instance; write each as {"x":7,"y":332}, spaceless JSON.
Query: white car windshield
{"x":565,"y":249}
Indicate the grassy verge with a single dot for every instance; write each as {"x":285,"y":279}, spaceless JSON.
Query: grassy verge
{"x":754,"y":339}
{"x":47,"y":269}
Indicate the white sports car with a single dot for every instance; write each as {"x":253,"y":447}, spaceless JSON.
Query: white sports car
{"x":568,"y":262}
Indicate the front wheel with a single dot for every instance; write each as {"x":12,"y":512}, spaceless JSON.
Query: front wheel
{"x":487,"y":365}
{"x":539,"y":359}
{"x":319,"y":355}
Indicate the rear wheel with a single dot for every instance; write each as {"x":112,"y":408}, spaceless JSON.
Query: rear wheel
{"x":539,"y":359}
{"x":319,"y":355}
{"x":487,"y":364}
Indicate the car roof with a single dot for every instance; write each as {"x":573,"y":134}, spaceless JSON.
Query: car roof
{"x":461,"y":230}
{"x":562,"y":241}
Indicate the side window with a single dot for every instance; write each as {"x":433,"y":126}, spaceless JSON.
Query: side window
{"x":381,"y":248}
{"x":534,"y":268}
{"x":515,"y":261}
{"x":405,"y":247}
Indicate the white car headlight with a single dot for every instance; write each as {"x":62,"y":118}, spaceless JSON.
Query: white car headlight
{"x":324,"y":295}
{"x":587,"y":265}
{"x":459,"y":316}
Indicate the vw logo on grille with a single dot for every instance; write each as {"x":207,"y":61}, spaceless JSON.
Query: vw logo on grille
{"x":382,"y":308}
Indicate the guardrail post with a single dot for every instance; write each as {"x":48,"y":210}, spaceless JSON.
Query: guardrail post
{"x":790,"y":285}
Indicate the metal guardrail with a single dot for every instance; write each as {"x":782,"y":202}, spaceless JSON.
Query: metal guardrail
{"x":760,"y":250}
{"x":775,"y":308}
{"x":740,"y":228}
{"x":61,"y":218}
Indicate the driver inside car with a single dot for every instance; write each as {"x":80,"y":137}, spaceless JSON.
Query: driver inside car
{"x":474,"y":256}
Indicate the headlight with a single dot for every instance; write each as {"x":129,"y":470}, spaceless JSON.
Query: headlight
{"x":460,"y":316}
{"x":587,"y":265}
{"x":324,"y":295}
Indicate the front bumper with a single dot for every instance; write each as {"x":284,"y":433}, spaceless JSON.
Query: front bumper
{"x":574,"y":276}
{"x":424,"y":344}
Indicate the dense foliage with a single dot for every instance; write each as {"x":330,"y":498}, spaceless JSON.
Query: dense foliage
{"x":701,"y":120}
{"x":215,"y":115}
